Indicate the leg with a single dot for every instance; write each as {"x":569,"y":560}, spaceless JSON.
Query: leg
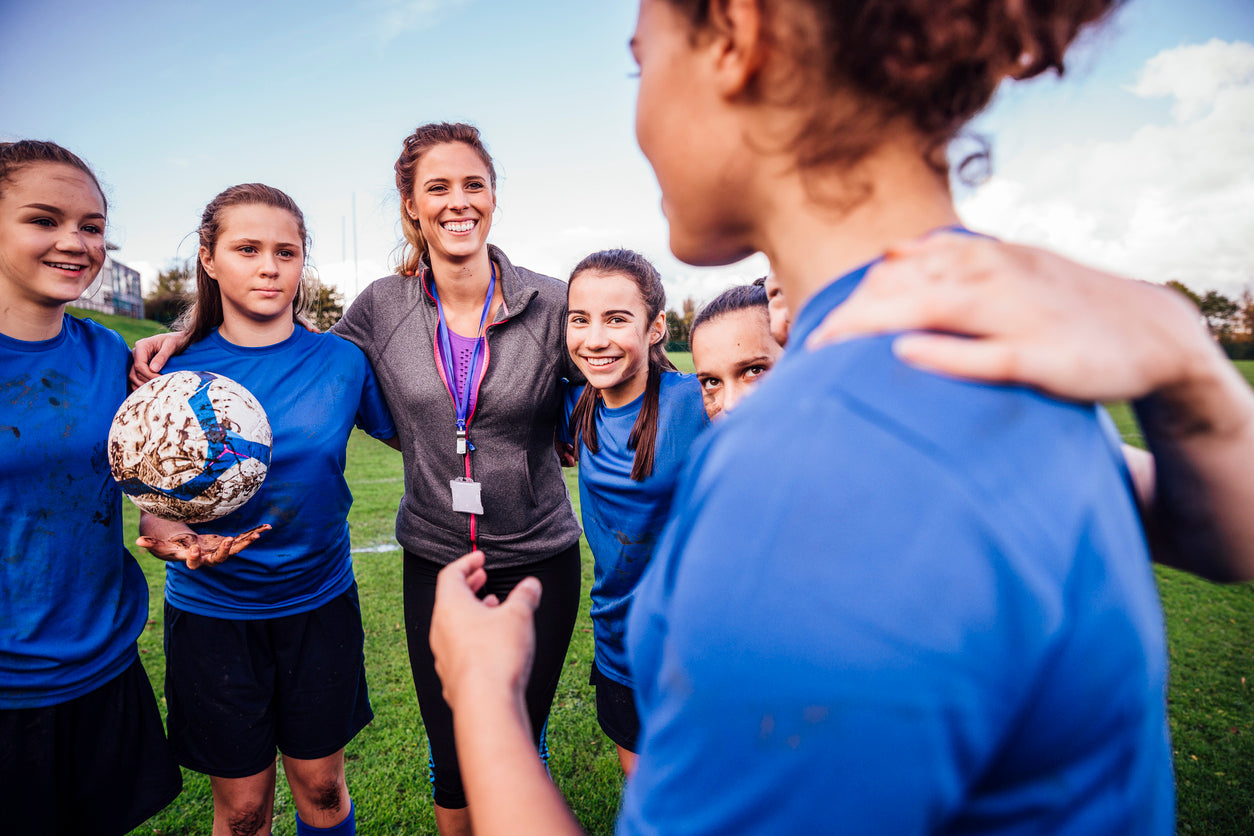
{"x":626,"y":759}
{"x":243,"y":806}
{"x":451,"y":815}
{"x":319,"y":789}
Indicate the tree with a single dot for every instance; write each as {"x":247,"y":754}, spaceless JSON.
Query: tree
{"x":679,"y":326}
{"x":326,"y":307}
{"x":1244,"y":320}
{"x":1180,"y":287}
{"x":1220,"y":313}
{"x":172,"y":293}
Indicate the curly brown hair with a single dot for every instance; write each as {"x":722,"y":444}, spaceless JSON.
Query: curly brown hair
{"x":422,"y":140}
{"x":933,"y":64}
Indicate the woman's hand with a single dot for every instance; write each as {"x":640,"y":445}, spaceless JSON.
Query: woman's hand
{"x":482,"y":648}
{"x":1027,"y":316}
{"x":150,"y":355}
{"x":196,"y":550}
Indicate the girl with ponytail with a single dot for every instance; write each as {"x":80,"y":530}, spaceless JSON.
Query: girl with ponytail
{"x":632,"y":426}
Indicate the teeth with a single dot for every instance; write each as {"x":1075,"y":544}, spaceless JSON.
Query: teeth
{"x":62,"y":266}
{"x":601,"y":361}
{"x":459,"y":226}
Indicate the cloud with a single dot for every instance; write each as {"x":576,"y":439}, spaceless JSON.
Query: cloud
{"x":396,"y":17}
{"x":1168,"y":201}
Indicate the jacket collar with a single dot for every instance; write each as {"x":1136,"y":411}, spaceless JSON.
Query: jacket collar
{"x":514,"y":286}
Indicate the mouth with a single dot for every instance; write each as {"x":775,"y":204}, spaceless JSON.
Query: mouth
{"x":66,"y":266}
{"x":459,"y":226}
{"x":601,"y":362}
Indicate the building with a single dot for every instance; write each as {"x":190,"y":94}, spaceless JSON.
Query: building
{"x":116,"y":291}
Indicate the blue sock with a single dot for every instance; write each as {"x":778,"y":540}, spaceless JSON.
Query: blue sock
{"x":348,"y":827}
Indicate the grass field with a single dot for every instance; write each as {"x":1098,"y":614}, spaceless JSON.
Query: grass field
{"x":1210,"y":631}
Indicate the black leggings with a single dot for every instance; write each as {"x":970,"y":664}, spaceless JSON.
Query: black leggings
{"x":554,"y":622}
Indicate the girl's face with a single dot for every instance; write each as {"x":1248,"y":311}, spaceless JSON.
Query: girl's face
{"x":52,"y":244}
{"x":608,"y":334}
{"x":732,"y":354}
{"x":257,"y":262}
{"x":452,"y":201}
{"x":691,"y":138}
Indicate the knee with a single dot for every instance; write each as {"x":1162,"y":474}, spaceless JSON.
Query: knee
{"x":328,"y":796}
{"x":247,"y":820}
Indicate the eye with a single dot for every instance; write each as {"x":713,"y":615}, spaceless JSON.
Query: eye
{"x":709,"y":384}
{"x":45,"y":222}
{"x":93,"y":229}
{"x":754,"y":371}
{"x":617,"y":320}
{"x":474,"y":186}
{"x":287,"y":253}
{"x":435,"y":189}
{"x":576,"y":319}
{"x":248,"y":249}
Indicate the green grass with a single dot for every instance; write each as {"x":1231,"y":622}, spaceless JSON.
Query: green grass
{"x":1210,"y":632}
{"x":130,"y":329}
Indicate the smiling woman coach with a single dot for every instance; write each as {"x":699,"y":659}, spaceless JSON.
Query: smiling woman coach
{"x":470,"y":353}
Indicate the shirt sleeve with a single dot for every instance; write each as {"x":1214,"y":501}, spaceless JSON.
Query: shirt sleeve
{"x":373,"y":415}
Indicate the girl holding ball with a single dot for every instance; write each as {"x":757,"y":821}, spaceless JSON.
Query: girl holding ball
{"x":281,"y":622}
{"x":82,"y":748}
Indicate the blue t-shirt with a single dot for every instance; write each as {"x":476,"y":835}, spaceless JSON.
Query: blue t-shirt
{"x":314,"y":388}
{"x":72,"y":598}
{"x":622,"y":518}
{"x":892,"y":602}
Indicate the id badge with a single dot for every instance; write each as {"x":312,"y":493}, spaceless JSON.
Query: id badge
{"x":466,"y":496}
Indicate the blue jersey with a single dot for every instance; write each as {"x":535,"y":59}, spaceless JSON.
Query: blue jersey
{"x":314,"y":388}
{"x":891,"y":602}
{"x":622,"y":518}
{"x":72,"y":598}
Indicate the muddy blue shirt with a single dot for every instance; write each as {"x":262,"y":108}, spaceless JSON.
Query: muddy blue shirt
{"x":72,"y":599}
{"x":622,"y":518}
{"x":314,"y":388}
{"x":891,"y":602}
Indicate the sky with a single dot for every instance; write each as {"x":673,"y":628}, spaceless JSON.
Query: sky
{"x":1139,"y":160}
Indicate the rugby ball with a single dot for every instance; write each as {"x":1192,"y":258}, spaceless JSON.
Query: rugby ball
{"x":190,"y":446}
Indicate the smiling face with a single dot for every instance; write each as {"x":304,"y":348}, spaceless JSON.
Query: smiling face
{"x":452,"y":201}
{"x":257,"y":263}
{"x":52,"y":245}
{"x":732,"y":353}
{"x":609,"y":333}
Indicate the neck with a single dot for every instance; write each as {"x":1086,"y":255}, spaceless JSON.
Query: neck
{"x":463,"y":283}
{"x":811,"y":241}
{"x":624,"y":393}
{"x":251,"y":333}
{"x":30,"y":322}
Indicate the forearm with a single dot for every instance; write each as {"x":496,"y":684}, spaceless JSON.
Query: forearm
{"x":507,"y":787}
{"x":1201,"y":433}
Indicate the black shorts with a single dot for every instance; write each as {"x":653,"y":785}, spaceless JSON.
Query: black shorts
{"x":237,"y":690}
{"x":96,"y":765}
{"x":554,"y":621}
{"x":616,"y":709}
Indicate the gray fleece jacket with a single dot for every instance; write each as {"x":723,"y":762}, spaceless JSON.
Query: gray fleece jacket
{"x":527,"y":510}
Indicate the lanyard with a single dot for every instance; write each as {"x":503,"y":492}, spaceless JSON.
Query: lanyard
{"x":463,"y":402}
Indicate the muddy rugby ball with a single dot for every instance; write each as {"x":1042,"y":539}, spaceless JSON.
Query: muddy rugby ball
{"x":190,"y":446}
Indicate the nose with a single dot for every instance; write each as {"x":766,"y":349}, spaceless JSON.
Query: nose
{"x":71,"y":241}
{"x":732,"y":393}
{"x":597,"y":336}
{"x":458,"y":198}
{"x":269,"y":265}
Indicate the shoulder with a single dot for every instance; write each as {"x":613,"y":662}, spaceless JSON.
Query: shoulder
{"x":681,"y":395}
{"x":94,"y":334}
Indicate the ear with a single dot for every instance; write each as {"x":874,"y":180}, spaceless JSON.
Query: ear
{"x":739,"y":43}
{"x":657,"y":329}
{"x":407,"y":203}
{"x":206,"y":261}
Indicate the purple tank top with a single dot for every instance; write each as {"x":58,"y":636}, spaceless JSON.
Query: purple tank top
{"x":463,"y":351}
